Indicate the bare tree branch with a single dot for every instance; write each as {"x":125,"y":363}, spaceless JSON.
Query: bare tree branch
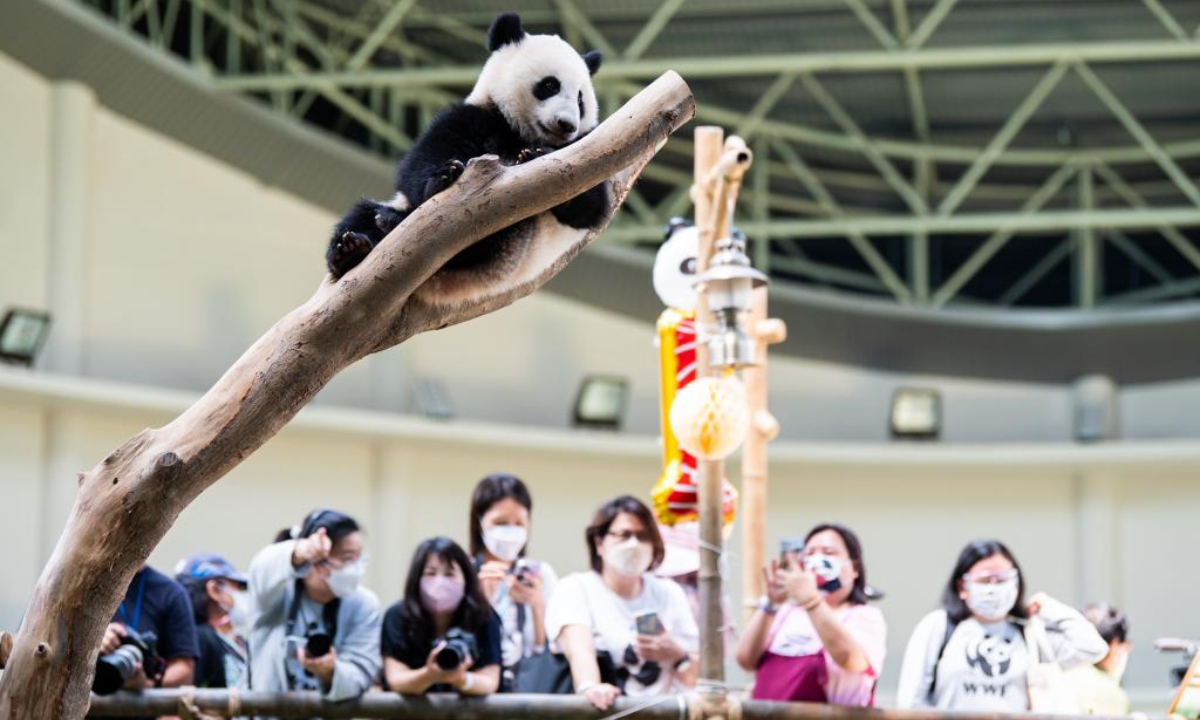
{"x":129,"y":501}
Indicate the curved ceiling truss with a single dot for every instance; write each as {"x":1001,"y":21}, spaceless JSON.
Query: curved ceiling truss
{"x":930,"y":152}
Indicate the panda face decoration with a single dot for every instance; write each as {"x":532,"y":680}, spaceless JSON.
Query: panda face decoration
{"x":541,"y":85}
{"x":675,"y":268}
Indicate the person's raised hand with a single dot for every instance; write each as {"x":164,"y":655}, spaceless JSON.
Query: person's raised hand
{"x":801,"y":585}
{"x":773,"y":583}
{"x":112,"y":638}
{"x":527,"y":591}
{"x":602,"y":695}
{"x":491,"y":574}
{"x":312,"y":549}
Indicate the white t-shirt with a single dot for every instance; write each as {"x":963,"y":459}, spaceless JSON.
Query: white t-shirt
{"x":584,"y":599}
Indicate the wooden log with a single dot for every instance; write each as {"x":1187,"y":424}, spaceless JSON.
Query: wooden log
{"x":128,"y":502}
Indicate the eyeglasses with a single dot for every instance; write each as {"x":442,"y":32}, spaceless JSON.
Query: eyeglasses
{"x":991,"y":578}
{"x":626,"y":535}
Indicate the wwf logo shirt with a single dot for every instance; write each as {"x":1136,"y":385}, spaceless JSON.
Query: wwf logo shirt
{"x":983,"y":665}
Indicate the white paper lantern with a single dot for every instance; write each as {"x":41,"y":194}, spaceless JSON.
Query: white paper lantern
{"x":710,"y":417}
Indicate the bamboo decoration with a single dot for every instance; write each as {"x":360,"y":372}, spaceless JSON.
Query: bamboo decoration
{"x":763,"y":429}
{"x":718,"y":170}
{"x":131,"y":498}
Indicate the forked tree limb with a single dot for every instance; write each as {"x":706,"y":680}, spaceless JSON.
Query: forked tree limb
{"x":128,"y":502}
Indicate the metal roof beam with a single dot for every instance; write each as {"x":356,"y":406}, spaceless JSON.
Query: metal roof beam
{"x":735,"y":66}
{"x":969,"y":224}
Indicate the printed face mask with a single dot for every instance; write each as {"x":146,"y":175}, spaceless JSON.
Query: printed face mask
{"x":631,"y":557}
{"x":992,"y":601}
{"x":505,"y":541}
{"x":344,"y":581}
{"x":441,"y":593}
{"x":828,"y":571}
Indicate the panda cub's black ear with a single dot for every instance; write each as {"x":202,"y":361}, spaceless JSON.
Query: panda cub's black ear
{"x":592,"y":59}
{"x":504,"y":30}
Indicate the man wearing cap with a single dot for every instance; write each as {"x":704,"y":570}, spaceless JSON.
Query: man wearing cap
{"x":156,"y":604}
{"x":219,"y":605}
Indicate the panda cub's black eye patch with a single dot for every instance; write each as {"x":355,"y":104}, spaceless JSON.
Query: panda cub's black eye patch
{"x":546,"y":88}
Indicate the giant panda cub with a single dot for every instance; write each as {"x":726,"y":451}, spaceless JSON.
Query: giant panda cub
{"x":533,"y":95}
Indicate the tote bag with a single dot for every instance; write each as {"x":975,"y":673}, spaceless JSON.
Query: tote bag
{"x":1049,"y":691}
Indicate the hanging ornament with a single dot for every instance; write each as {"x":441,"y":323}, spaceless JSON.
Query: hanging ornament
{"x":710,"y":417}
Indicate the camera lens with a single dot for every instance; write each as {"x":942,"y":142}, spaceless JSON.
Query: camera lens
{"x":450,"y":656}
{"x":113,"y":670}
{"x":318,"y":645}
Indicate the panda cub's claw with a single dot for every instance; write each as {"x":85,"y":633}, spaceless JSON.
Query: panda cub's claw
{"x":349,"y":252}
{"x":531,"y":153}
{"x":388,"y":218}
{"x":450,"y":172}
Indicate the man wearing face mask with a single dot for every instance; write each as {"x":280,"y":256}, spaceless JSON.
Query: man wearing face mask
{"x":1098,"y":687}
{"x":222,"y":613}
{"x":313,"y":626}
{"x":622,"y":629}
{"x":971,"y":654}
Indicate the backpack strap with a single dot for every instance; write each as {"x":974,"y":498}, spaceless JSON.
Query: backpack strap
{"x":951,"y":626}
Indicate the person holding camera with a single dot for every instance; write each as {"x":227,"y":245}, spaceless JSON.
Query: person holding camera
{"x":622,"y":629}
{"x":517,"y":586}
{"x":443,"y":636}
{"x":314,"y":627}
{"x":151,"y":641}
{"x":813,"y":637}
{"x":221,"y":612}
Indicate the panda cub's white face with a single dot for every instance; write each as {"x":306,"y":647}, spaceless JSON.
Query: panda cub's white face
{"x":541,"y":85}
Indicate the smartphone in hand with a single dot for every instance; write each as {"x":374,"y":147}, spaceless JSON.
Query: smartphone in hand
{"x":647,"y":623}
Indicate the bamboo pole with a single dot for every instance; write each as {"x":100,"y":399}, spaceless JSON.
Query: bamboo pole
{"x":712,"y":642}
{"x":763,"y":428}
{"x":392,"y":706}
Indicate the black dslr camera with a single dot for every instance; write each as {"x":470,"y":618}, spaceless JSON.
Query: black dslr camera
{"x":458,"y":646}
{"x":114,"y":669}
{"x":318,"y":644}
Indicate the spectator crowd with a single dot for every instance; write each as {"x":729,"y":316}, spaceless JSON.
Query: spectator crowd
{"x":489,"y":618}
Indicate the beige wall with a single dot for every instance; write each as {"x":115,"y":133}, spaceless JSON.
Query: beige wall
{"x":185,"y":261}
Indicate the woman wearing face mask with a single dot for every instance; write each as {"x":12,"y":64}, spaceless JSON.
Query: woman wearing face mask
{"x":443,"y":636}
{"x":620,"y":619}
{"x":813,"y":637}
{"x":221,"y":608}
{"x":314,"y":627}
{"x":971,"y":654}
{"x":516,"y":586}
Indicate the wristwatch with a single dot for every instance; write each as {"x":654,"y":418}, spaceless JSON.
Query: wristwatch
{"x":682,"y":663}
{"x":765,"y":604}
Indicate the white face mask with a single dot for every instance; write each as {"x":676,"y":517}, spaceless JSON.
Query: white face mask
{"x":630,"y":557}
{"x":239,"y":613}
{"x":505,"y":541}
{"x":344,"y":581}
{"x":992,"y":601}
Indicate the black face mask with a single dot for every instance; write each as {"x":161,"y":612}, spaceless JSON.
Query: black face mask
{"x":647,"y":674}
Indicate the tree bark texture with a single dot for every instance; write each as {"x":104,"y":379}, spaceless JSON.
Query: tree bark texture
{"x":128,"y":502}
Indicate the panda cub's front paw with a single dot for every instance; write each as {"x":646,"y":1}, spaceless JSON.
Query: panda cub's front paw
{"x":531,"y":153}
{"x":449,"y":173}
{"x":388,"y":218}
{"x":348,"y":252}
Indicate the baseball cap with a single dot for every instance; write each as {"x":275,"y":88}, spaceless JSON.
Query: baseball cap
{"x":207,"y":566}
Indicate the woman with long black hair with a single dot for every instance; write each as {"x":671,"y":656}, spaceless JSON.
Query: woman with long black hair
{"x":443,"y":634}
{"x":971,"y":653}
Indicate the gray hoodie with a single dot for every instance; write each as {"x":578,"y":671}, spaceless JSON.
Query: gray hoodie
{"x":272,"y":589}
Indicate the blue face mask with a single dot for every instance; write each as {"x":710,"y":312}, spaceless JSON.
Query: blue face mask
{"x":992,"y":601}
